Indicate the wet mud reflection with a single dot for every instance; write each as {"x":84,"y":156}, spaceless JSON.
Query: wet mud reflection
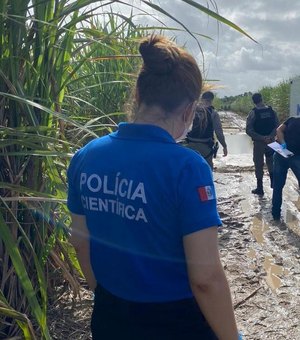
{"x":258,"y":229}
{"x":238,"y":143}
{"x":273,"y":271}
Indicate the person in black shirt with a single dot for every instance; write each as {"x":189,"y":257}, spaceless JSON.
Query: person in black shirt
{"x":261,"y":125}
{"x":288,"y":135}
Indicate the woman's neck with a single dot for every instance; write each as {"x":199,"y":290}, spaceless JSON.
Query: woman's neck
{"x":173,"y":122}
{"x":154,"y":115}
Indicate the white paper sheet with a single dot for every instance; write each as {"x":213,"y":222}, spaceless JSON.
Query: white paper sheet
{"x":283,"y":152}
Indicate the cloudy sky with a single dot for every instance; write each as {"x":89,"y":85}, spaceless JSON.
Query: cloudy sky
{"x":239,"y":64}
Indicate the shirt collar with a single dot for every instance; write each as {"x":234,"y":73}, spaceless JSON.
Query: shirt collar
{"x":143,"y":132}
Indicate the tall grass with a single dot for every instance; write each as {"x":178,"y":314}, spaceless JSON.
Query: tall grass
{"x":64,"y":78}
{"x":279,"y":98}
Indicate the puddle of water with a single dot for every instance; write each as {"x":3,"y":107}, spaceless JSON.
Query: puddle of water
{"x":258,"y":229}
{"x":239,"y":143}
{"x":273,"y":271}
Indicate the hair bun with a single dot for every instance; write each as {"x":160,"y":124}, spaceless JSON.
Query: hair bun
{"x":160,"y":55}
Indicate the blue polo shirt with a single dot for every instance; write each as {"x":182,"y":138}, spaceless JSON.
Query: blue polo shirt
{"x":141,"y":192}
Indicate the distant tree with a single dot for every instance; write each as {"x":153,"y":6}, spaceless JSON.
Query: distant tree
{"x":277,"y":97}
{"x":217,"y":103}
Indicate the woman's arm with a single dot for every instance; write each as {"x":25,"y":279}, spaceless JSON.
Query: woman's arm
{"x":208,"y":282}
{"x":80,"y":239}
{"x":280,"y":133}
{"x":217,"y":126}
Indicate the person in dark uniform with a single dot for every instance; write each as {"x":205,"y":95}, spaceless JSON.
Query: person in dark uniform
{"x":144,"y":215}
{"x":205,"y":124}
{"x":288,"y":135}
{"x":261,"y":125}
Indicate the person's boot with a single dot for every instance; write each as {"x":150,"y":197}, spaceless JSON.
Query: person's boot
{"x":271,"y":180}
{"x":259,"y":189}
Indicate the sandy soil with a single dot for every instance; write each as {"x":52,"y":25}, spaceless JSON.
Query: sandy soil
{"x":261,"y":257}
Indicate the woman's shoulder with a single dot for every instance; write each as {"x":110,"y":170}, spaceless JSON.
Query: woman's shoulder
{"x":91,"y":145}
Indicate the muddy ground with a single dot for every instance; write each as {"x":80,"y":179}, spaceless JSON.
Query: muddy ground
{"x":261,"y":256}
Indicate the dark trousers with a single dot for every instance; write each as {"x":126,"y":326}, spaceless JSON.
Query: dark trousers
{"x":281,"y":167}
{"x":115,"y":319}
{"x":261,"y":150}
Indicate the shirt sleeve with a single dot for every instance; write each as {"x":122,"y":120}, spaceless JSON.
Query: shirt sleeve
{"x":250,"y":127}
{"x":197,"y":198}
{"x":73,"y":201}
{"x":218,"y":128}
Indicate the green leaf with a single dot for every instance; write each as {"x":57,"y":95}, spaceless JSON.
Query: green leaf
{"x":217,"y":17}
{"x":19,"y":267}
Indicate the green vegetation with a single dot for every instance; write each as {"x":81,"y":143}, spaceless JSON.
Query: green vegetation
{"x":66,"y":70}
{"x":277,"y":97}
{"x":63,"y":83}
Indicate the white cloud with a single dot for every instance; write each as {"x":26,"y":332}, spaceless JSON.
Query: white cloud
{"x":240,"y":64}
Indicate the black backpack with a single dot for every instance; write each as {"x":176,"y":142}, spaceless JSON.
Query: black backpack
{"x":265,"y":120}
